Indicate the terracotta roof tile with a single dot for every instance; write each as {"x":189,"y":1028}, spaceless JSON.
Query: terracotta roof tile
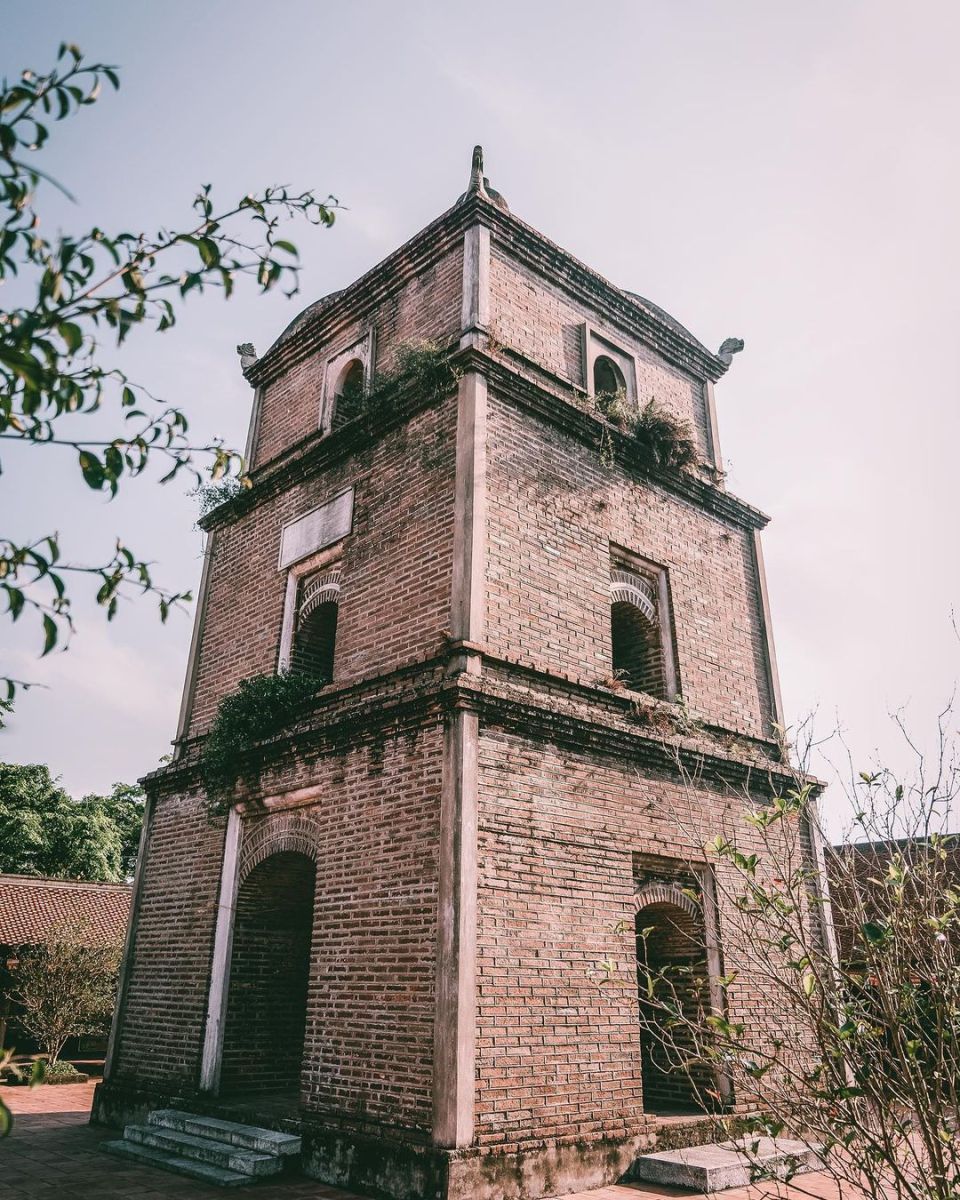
{"x":30,"y":906}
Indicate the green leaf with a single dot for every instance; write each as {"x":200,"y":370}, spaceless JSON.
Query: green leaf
{"x":50,"y":634}
{"x":874,"y":932}
{"x":6,"y":1119}
{"x":72,"y":335}
{"x":209,"y":252}
{"x":92,"y":470}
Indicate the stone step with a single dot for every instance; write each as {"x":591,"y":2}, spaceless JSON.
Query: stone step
{"x":265,"y":1141}
{"x":721,"y":1165}
{"x":150,"y":1157}
{"x":204,"y":1149}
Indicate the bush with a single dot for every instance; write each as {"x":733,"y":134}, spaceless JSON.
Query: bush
{"x":423,"y":366}
{"x":260,"y":708}
{"x":666,"y":440}
{"x":67,"y":985}
{"x":63,"y":1072}
{"x":212,"y":495}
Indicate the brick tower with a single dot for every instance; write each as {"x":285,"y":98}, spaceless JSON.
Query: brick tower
{"x":535,"y":638}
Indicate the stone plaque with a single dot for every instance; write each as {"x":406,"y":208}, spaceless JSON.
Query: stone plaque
{"x":317,"y":529}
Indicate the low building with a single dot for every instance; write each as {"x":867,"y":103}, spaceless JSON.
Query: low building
{"x":31,"y":907}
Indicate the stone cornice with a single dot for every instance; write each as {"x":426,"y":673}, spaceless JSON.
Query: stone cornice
{"x":365,"y":294}
{"x":581,"y":282}
{"x":421,"y":695}
{"x":563,"y":412}
{"x":553,"y":403}
{"x":519,"y":240}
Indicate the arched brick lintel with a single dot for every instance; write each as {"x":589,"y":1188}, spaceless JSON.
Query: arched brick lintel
{"x":285,"y":832}
{"x":666,"y":893}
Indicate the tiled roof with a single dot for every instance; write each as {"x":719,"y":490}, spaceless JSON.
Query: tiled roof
{"x":31,"y":906}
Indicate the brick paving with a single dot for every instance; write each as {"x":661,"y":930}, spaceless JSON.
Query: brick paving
{"x":54,"y":1152}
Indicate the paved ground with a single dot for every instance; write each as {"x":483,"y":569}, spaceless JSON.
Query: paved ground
{"x":54,"y":1153}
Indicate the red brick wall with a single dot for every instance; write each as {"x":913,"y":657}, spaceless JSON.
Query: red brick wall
{"x":559,"y":1055}
{"x":368,"y":1052}
{"x":425,"y":309}
{"x":368,"y":1044}
{"x":534,"y":316}
{"x":554,"y":510}
{"x":160,"y":1040}
{"x":397,"y":565}
{"x":269,"y":974}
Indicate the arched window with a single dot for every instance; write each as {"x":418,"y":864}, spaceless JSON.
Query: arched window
{"x":348,"y":393}
{"x":315,"y":633}
{"x":607,"y":377}
{"x":636,"y":634}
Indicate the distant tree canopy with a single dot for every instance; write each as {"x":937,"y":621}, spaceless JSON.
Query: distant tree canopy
{"x":44,"y":831}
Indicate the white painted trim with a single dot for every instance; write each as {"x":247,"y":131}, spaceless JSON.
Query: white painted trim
{"x":766,"y":631}
{"x":328,"y":504}
{"x":322,"y":560}
{"x":193,"y":658}
{"x":455,"y":1022}
{"x":220,"y":964}
{"x":711,"y":932}
{"x":468,"y":600}
{"x":713,"y":429}
{"x":625,"y":561}
{"x":362,"y":349}
{"x":597,"y":343}
{"x":475,"y":309}
{"x":253,"y":429}
{"x":289,"y":625}
{"x":130,"y":939}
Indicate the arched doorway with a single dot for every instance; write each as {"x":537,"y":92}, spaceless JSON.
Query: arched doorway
{"x":269,"y":975}
{"x":671,"y":950}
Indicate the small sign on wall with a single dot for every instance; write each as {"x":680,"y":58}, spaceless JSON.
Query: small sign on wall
{"x":317,"y":529}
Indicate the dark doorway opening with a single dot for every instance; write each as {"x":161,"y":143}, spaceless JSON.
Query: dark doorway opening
{"x":671,"y":940}
{"x":269,"y":976}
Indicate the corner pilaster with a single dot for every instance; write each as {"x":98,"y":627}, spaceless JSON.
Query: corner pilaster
{"x":455,"y":1028}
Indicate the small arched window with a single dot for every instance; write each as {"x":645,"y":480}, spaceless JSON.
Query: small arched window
{"x":348,"y":393}
{"x":636,"y":634}
{"x":315,"y":635}
{"x":608,"y":379}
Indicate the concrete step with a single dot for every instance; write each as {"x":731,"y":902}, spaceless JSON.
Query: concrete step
{"x":148,"y":1156}
{"x":205,"y":1149}
{"x":265,"y":1141}
{"x":721,"y":1165}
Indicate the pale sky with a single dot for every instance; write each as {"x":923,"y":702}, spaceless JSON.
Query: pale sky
{"x":785,"y":173}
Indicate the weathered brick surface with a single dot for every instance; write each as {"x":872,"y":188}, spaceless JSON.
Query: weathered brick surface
{"x":554,"y":512}
{"x":573,"y":783}
{"x":397,"y":565}
{"x":174,"y":941}
{"x":559,"y":1053}
{"x":425,"y":309}
{"x":531,"y":314}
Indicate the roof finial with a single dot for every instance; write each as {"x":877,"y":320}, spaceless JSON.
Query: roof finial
{"x":476,"y":172}
{"x":479,"y":184}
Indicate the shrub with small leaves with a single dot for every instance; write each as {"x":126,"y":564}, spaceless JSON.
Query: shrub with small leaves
{"x":666,"y":440}
{"x":221,"y":491}
{"x":261,"y":707}
{"x":423,"y":367}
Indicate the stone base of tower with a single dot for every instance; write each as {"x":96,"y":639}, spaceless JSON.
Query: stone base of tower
{"x":382,"y":1166}
{"x":401,"y":1171}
